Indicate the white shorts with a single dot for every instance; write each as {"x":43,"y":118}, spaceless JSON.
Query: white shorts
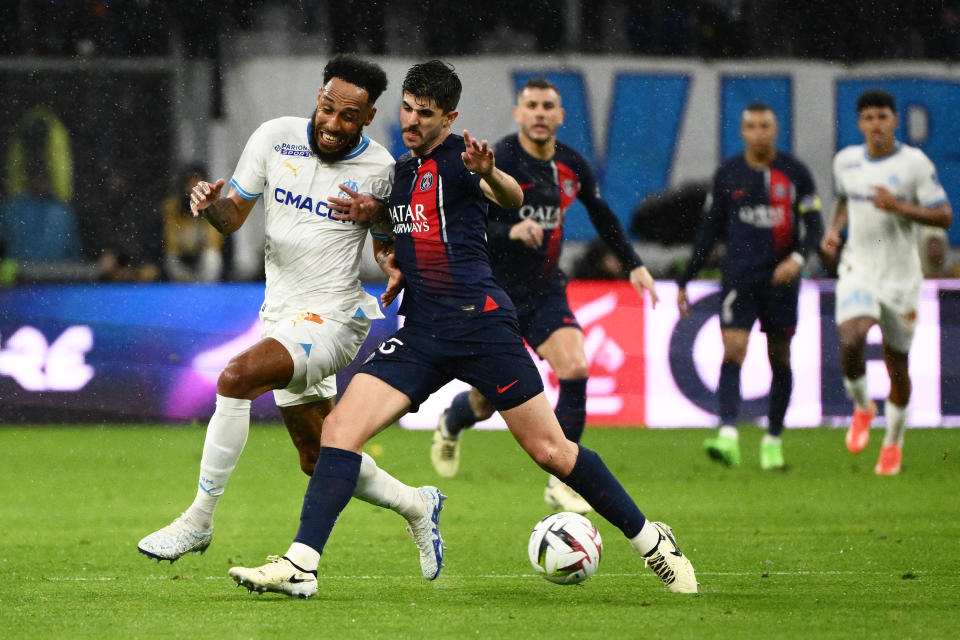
{"x":855,"y":298}
{"x":319,"y":347}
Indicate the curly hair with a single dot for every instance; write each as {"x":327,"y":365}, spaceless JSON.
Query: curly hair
{"x":366,"y":75}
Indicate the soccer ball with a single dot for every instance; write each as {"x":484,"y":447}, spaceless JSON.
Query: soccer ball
{"x":565,"y":548}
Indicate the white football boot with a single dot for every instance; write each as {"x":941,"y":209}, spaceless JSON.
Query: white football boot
{"x":425,"y":532}
{"x":668,"y":562}
{"x":174,"y":540}
{"x":279,"y":575}
{"x":445,"y":450}
{"x":562,"y":498}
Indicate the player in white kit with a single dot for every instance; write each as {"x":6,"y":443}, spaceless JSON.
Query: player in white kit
{"x":316,"y":314}
{"x":885,"y":191}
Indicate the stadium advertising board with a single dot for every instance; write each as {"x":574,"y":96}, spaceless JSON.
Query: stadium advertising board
{"x":134,"y":352}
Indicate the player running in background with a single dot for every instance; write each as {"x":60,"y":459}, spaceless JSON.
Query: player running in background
{"x":525,"y":248}
{"x":885,"y":191}
{"x":765,"y":204}
{"x":459,"y":324}
{"x":316,"y":314}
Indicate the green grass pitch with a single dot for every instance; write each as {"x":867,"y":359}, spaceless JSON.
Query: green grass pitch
{"x":824,"y":549}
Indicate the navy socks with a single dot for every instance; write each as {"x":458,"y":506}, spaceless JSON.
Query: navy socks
{"x":571,"y":408}
{"x":332,"y":484}
{"x":780,"y":388}
{"x":728,"y":392}
{"x":460,"y":415}
{"x":592,"y":480}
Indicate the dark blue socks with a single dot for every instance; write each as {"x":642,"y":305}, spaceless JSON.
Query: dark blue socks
{"x":728,"y":393}
{"x":592,"y":480}
{"x":460,"y":416}
{"x":332,"y":484}
{"x":780,"y":388}
{"x":572,"y":408}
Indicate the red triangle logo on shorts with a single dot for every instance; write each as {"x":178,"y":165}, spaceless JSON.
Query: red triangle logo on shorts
{"x":490,"y":305}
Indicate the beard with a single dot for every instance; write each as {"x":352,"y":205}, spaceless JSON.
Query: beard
{"x":335,"y":156}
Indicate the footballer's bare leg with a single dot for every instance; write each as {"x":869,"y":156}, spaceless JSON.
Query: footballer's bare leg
{"x":367,"y":406}
{"x":853,"y":339}
{"x":536,"y":429}
{"x":895,"y":411}
{"x":564,"y":352}
{"x":304,"y":423}
{"x":264,"y":366}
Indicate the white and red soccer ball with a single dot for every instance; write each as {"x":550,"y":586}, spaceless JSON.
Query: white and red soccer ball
{"x":565,"y":548}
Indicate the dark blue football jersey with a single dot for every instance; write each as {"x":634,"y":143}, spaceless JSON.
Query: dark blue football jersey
{"x":439,"y":216}
{"x":764,"y":215}
{"x":549,"y":188}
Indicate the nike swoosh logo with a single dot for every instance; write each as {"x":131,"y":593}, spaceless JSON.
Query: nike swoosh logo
{"x":502,"y":389}
{"x":295,"y":580}
{"x":527,"y":185}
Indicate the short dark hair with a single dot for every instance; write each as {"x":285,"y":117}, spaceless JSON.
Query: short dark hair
{"x":759,"y":106}
{"x":876,"y":98}
{"x":436,"y":80}
{"x":538,"y":83}
{"x":366,"y":75}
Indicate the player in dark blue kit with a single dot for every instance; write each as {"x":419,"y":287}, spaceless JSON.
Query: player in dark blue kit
{"x":525,"y":246}
{"x":765,"y":203}
{"x":459,"y":323}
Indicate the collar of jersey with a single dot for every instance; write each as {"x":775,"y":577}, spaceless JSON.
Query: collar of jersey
{"x":357,"y":150}
{"x":896,"y":149}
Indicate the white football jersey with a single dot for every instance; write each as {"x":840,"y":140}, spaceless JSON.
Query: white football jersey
{"x":881,"y":247}
{"x":312,"y":260}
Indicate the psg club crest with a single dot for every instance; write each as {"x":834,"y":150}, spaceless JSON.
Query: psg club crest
{"x":426,"y":182}
{"x":570,"y":188}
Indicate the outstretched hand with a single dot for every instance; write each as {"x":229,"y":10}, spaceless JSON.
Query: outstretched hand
{"x":478,"y":156}
{"x":641,"y":279}
{"x":204,"y":194}
{"x":357,"y":207}
{"x":395,"y":280}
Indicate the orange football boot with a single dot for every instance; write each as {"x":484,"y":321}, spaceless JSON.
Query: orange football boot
{"x":859,"y":432}
{"x":889,"y":462}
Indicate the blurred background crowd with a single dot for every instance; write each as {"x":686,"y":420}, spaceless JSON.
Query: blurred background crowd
{"x":119,"y":212}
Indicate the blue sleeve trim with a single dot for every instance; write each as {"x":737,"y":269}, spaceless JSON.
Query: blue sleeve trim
{"x":246,"y":195}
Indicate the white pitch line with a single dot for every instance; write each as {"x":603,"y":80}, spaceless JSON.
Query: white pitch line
{"x":732,"y":574}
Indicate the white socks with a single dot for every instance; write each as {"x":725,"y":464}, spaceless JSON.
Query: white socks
{"x":858,"y":391}
{"x":896,"y":421}
{"x":226,"y":435}
{"x":729,"y":431}
{"x":307,"y":558}
{"x":378,"y":487}
{"x":647,"y":540}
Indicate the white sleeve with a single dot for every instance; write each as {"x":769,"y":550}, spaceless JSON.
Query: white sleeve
{"x":838,"y":188}
{"x":929,"y":191}
{"x":250,"y":176}
{"x":380,"y":184}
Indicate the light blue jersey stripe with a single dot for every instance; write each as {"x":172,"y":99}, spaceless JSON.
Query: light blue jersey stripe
{"x":246,"y":195}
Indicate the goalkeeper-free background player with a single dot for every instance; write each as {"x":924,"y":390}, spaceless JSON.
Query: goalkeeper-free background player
{"x":885,"y":191}
{"x":765,"y":205}
{"x":525,"y":245}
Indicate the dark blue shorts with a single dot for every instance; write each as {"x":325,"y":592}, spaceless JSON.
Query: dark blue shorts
{"x":776,"y":307}
{"x":418,"y":360}
{"x":540,"y":315}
